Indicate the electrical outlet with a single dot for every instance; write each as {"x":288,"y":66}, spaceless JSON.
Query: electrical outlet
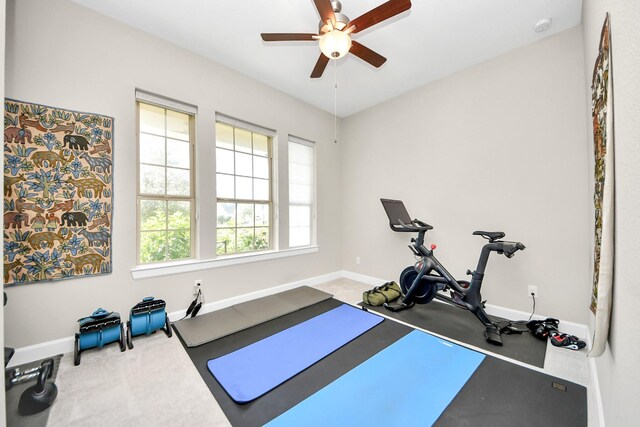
{"x":197,"y":285}
{"x":357,"y":260}
{"x":532,"y":290}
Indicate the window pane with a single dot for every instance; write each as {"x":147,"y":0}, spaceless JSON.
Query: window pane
{"x":165,"y":162}
{"x":245,"y":215}
{"x":261,"y":241}
{"x":299,"y":193}
{"x":179,"y":215}
{"x":245,"y":240}
{"x":224,"y":161}
{"x":153,"y":215}
{"x":178,"y":182}
{"x":246,"y":168}
{"x":260,"y":167}
{"x":300,"y":154}
{"x":299,"y":236}
{"x":224,"y":136}
{"x":260,"y":145}
{"x":226,"y":242}
{"x":261,"y":189}
{"x":152,"y":179}
{"x":177,"y":125}
{"x":243,"y":164}
{"x":152,"y":119}
{"x":178,"y":153}
{"x":151,"y":149}
{"x":243,"y":140}
{"x":299,"y":174}
{"x":153,"y":246}
{"x":299,"y":216}
{"x":226,"y":214}
{"x":243,"y":188}
{"x":262,"y":215}
{"x":224,"y":186}
{"x":179,"y":244}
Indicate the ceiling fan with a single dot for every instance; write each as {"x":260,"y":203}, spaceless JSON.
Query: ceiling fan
{"x":336,"y":29}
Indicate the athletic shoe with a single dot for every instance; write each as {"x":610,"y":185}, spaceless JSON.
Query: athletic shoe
{"x":567,"y":341}
{"x":542,"y":328}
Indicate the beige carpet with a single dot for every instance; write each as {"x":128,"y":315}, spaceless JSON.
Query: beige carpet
{"x":155,"y":384}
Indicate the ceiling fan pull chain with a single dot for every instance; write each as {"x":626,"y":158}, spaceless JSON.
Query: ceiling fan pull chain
{"x":335,"y":101}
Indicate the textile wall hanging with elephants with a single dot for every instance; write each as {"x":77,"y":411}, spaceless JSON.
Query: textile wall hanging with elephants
{"x":604,"y":190}
{"x":58,"y":190}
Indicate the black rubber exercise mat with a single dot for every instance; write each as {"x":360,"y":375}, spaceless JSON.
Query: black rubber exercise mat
{"x":499,"y":393}
{"x":504,"y":394}
{"x":14,"y":419}
{"x":293,"y":391}
{"x":463,"y":326}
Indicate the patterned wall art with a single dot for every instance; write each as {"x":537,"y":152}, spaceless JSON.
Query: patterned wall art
{"x":603,"y":198}
{"x":58,"y":192}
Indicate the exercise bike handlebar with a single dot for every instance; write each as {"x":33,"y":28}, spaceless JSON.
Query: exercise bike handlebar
{"x":416,"y":225}
{"x":512,"y":247}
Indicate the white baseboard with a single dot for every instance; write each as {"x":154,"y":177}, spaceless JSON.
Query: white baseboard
{"x":595,"y":386}
{"x":577,"y":329}
{"x":65,"y":345}
{"x":373,"y":281}
{"x":41,"y":351}
{"x":217,"y":305}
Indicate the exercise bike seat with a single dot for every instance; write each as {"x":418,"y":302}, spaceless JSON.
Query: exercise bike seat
{"x":492,"y":236}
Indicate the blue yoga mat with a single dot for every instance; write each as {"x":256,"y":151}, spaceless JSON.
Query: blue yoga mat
{"x":409,"y":383}
{"x":251,"y":371}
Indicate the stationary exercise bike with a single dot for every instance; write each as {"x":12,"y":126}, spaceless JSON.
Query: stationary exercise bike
{"x":422,"y":282}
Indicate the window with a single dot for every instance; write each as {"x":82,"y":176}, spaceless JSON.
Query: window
{"x":243,"y":186}
{"x":301,"y":192}
{"x":165,"y":180}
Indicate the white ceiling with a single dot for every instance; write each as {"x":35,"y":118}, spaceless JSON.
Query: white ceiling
{"x":433,"y":39}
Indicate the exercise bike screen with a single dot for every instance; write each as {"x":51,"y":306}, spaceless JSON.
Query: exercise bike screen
{"x":396,"y":212}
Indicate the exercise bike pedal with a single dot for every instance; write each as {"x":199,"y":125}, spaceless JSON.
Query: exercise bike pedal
{"x":398,"y":307}
{"x":492,"y":335}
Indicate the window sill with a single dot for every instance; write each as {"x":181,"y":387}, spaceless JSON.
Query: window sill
{"x":166,"y":269}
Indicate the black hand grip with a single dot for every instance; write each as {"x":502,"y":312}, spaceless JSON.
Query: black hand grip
{"x":423,"y":224}
{"x":515,"y":247}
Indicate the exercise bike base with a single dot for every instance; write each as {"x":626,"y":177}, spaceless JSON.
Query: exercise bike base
{"x":492,"y":335}
{"x":398,"y":307}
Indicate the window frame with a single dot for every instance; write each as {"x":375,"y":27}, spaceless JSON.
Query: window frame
{"x":313,"y":196}
{"x":168,"y":105}
{"x":271,"y":136}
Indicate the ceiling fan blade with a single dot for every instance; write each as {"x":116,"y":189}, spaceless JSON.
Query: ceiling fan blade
{"x":280,"y":37}
{"x":367,"y":54}
{"x":320,"y":66}
{"x":325,"y":10}
{"x":379,"y":14}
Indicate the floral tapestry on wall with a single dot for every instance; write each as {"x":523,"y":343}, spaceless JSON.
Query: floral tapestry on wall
{"x":58,"y":189}
{"x":603,"y":198}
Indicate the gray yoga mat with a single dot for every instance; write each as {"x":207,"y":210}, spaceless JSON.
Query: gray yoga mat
{"x":463,"y":326}
{"x":217,"y":324}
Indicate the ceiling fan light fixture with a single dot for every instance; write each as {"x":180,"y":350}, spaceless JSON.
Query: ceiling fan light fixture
{"x":335,"y":44}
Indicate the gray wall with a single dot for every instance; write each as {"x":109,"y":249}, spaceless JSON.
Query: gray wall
{"x":61,"y":54}
{"x":499,"y":146}
{"x":617,"y":368}
{"x":514,"y":131}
